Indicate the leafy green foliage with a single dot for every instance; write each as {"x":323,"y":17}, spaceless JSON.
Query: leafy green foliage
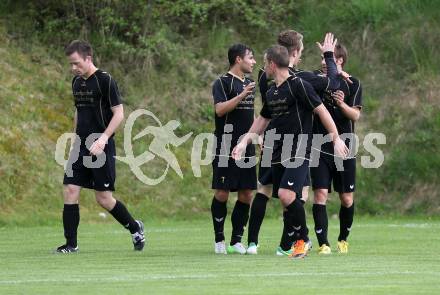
{"x":165,"y":55}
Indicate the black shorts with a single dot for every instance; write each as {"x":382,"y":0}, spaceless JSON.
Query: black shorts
{"x":326,"y":172}
{"x":265,"y":176}
{"x":233,"y":178}
{"x":98,"y":179}
{"x":293,"y":179}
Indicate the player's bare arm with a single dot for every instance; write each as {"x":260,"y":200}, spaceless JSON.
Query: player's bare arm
{"x":258,"y":127}
{"x":118,"y":116}
{"x":340,"y":148}
{"x":222,"y":108}
{"x":328,"y":44}
{"x":352,"y":113}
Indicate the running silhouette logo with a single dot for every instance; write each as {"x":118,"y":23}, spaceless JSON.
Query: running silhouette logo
{"x":164,"y":136}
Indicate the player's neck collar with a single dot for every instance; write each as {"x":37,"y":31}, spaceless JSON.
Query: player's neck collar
{"x":283,"y":79}
{"x":91,"y":74}
{"x":236,"y":76}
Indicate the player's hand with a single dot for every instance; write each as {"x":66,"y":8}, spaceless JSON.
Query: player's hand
{"x":98,"y":146}
{"x":249,"y":89}
{"x":341,"y":150}
{"x":328,"y":44}
{"x":238,"y":151}
{"x":338,"y":96}
{"x":346,"y":76}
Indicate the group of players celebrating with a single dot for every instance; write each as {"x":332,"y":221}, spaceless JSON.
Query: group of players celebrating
{"x":298,"y":107}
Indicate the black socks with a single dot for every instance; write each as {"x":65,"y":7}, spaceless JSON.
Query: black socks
{"x":219,"y":211}
{"x":288,"y":233}
{"x":258,"y":210}
{"x":121,"y":214}
{"x":321,"y":223}
{"x":239,"y":219}
{"x":297,"y":218}
{"x":70,"y":223}
{"x":345,"y":222}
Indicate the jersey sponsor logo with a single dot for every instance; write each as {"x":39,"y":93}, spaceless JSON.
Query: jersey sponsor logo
{"x":297,"y":228}
{"x":219,"y":219}
{"x":290,"y":183}
{"x":106,"y":184}
{"x":352,"y":186}
{"x":318,"y":231}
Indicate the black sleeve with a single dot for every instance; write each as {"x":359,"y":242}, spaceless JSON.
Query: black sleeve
{"x":262,"y":84}
{"x":73,"y":85}
{"x":265,"y":113}
{"x":356,"y":94}
{"x":219,"y":92}
{"x":113,"y":93}
{"x":306,"y":94}
{"x":332,"y":71}
{"x":73,"y":81}
{"x":319,"y":82}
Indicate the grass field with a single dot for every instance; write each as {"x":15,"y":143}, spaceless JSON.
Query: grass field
{"x":387,"y":256}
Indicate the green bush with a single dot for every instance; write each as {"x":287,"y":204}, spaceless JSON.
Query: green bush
{"x":165,"y":55}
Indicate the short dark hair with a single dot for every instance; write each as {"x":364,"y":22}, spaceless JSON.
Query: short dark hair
{"x":290,"y":39}
{"x":237,"y":50}
{"x":82,"y":47}
{"x":341,"y":51}
{"x":279,"y":55}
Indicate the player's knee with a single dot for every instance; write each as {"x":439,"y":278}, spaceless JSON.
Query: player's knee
{"x":245,"y":196}
{"x":71,"y":194}
{"x":305,"y":194}
{"x":286,"y":196}
{"x":346,"y":199}
{"x":222,"y":196}
{"x":104,"y":199}
{"x":265,"y":190}
{"x":100,"y":199}
{"x":320,"y":196}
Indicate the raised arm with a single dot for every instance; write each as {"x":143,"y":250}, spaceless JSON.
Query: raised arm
{"x":327,"y":49}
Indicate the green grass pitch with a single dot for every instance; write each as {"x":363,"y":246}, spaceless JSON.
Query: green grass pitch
{"x":387,"y":256}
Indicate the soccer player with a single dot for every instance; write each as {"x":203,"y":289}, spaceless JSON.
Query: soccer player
{"x":233,"y":95}
{"x":290,"y":104}
{"x":292,"y":40}
{"x":344,"y":105}
{"x":99,"y":111}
